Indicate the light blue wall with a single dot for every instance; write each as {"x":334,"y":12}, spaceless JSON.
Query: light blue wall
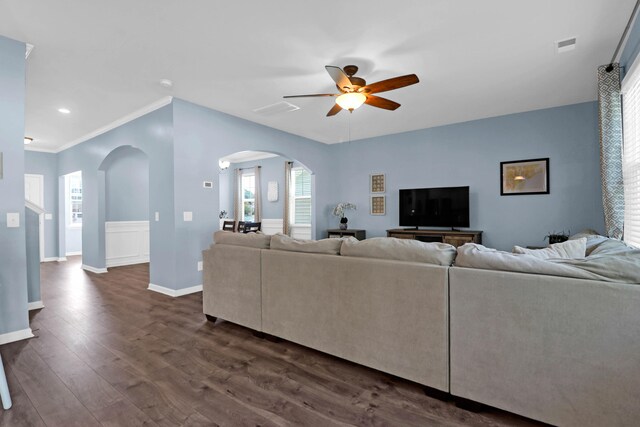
{"x":32,"y":231}
{"x":152,"y":134}
{"x":202,"y":136}
{"x":127,"y":186}
{"x":470,"y":154}
{"x":13,"y":263}
{"x":46,"y":164}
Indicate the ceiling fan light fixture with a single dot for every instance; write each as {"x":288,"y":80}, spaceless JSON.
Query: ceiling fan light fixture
{"x":350,"y":101}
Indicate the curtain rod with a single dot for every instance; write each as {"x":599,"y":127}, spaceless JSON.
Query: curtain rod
{"x":242,"y":169}
{"x":624,"y":36}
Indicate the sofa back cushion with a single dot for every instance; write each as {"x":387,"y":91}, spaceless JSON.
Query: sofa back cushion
{"x":400,"y":250}
{"x":252,"y":240}
{"x":325,"y":246}
{"x":570,"y":249}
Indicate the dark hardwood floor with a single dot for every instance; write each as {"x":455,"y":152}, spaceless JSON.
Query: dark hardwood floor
{"x":109,"y":352}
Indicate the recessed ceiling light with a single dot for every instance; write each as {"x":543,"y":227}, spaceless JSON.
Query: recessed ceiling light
{"x":166,"y":83}
{"x":27,"y":140}
{"x":64,"y":110}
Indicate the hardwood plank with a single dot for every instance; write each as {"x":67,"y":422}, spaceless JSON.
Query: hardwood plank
{"x":52,"y":399}
{"x":22,"y":413}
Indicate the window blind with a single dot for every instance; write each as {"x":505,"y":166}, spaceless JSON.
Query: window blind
{"x":631,"y":155}
{"x":301,"y":209}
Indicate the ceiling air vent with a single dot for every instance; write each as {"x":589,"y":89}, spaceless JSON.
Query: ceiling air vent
{"x":563,"y":46}
{"x":277,"y":108}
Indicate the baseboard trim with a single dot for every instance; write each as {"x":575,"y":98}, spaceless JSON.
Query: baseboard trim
{"x":62,"y":259}
{"x":174,"y":292}
{"x":94,"y":269}
{"x":121,"y":262}
{"x":36,"y":305}
{"x":16,"y":336}
{"x":76,"y":253}
{"x":51,"y":259}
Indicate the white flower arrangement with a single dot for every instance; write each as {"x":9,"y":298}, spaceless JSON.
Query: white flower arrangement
{"x":340,"y":208}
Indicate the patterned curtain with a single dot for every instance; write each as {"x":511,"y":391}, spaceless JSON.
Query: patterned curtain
{"x":238,"y":209}
{"x":610,"y":117}
{"x":257,"y":195}
{"x":286,"y":225}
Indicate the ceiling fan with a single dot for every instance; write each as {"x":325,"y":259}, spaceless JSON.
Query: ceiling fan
{"x":354,"y":91}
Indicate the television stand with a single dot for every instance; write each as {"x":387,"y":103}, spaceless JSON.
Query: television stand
{"x":452,"y":237}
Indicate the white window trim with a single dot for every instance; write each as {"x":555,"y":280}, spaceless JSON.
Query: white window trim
{"x":631,"y":153}
{"x":293,"y":198}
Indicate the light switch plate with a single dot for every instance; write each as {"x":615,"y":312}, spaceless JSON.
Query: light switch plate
{"x":207,"y":184}
{"x":48,"y":216}
{"x":187,"y":216}
{"x":157,"y":216}
{"x":199,"y":265}
{"x":13,"y":220}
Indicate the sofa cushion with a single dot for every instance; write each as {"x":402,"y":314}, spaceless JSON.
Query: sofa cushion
{"x":400,"y":250}
{"x":567,"y":250}
{"x":252,"y":240}
{"x":325,"y":246}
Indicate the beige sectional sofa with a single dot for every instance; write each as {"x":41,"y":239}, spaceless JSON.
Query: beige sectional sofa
{"x":386,"y":314}
{"x":563,"y":350}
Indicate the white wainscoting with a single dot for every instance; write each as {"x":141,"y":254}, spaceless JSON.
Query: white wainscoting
{"x":272,"y":226}
{"x":127,"y":242}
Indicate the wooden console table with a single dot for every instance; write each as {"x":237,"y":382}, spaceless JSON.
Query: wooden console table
{"x":455,"y":238}
{"x":358,"y":234}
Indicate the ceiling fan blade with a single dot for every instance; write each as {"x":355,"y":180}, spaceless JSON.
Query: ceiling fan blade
{"x":339,"y":76}
{"x":376,"y":101}
{"x":390,"y":84}
{"x":334,"y":110}
{"x":312,"y":95}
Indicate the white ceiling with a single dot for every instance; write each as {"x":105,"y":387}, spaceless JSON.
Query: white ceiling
{"x":475,"y":59}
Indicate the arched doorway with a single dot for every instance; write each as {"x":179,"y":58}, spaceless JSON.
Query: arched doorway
{"x":124,"y":199}
{"x":281,"y":189}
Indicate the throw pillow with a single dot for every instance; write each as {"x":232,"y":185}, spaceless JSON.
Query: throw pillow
{"x":252,"y":240}
{"x":325,"y":246}
{"x":400,"y":250}
{"x":566,"y":250}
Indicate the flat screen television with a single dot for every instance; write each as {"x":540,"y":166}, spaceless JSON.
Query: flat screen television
{"x":434,"y":207}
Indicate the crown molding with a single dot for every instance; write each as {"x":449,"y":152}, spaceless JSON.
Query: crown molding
{"x":119,"y":122}
{"x":38,"y":149}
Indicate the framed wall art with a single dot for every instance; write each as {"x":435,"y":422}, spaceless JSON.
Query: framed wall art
{"x":378,"y":205}
{"x":522,"y":177}
{"x":377,"y":183}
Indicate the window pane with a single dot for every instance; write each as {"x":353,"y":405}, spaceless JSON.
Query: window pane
{"x":249,"y":210}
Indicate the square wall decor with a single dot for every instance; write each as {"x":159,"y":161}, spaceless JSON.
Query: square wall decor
{"x":377,"y":183}
{"x":378,"y":205}
{"x":522,"y":177}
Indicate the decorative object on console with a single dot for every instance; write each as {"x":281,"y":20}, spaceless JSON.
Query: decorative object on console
{"x":377,"y":183}
{"x":522,"y":177}
{"x":222,"y":214}
{"x":378,"y":205}
{"x":340,"y":209}
{"x":557,"y":237}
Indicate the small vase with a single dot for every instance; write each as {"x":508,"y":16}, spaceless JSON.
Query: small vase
{"x":343,"y":223}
